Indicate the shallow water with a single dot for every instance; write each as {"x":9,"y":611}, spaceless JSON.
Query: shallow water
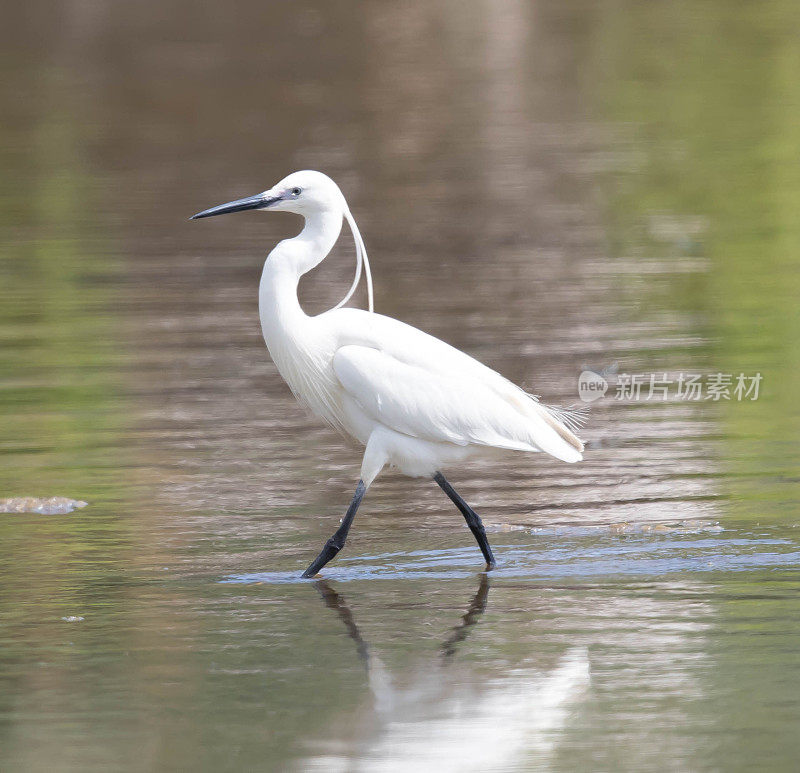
{"x":550,"y":187}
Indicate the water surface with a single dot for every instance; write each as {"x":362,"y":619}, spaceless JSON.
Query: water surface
{"x":548,"y":186}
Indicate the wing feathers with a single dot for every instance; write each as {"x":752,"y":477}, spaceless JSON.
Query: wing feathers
{"x":431,"y":405}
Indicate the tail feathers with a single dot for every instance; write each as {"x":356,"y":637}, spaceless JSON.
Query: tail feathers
{"x":566,"y":445}
{"x":560,"y":448}
{"x":551,"y":429}
{"x":573,"y":417}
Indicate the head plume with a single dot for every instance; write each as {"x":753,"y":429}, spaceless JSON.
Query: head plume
{"x":362,"y":261}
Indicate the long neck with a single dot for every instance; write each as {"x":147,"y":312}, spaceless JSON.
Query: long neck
{"x":278,"y":306}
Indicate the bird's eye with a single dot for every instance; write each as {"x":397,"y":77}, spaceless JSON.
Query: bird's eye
{"x":296,"y":191}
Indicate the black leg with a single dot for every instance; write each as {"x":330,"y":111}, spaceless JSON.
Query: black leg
{"x":471,"y":517}
{"x":336,"y":542}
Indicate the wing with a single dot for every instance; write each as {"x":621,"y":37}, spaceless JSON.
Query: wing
{"x":423,"y":402}
{"x":413,"y":347}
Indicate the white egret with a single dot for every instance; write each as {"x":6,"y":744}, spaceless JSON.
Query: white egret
{"x":413,"y":401}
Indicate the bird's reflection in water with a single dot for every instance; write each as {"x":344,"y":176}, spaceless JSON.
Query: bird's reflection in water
{"x":440,"y":724}
{"x":475,"y":609}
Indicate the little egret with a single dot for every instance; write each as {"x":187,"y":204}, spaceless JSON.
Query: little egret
{"x":413,"y":401}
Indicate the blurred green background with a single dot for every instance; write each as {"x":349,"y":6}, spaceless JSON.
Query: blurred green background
{"x":547,"y":185}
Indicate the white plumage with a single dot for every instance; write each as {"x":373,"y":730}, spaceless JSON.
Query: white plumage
{"x":414,"y":402}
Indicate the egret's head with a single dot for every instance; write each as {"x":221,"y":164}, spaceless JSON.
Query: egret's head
{"x":303,"y":192}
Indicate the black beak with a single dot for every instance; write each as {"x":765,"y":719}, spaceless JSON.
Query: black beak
{"x":260,"y":201}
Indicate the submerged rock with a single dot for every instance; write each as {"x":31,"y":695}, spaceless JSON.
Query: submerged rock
{"x":43,"y":505}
